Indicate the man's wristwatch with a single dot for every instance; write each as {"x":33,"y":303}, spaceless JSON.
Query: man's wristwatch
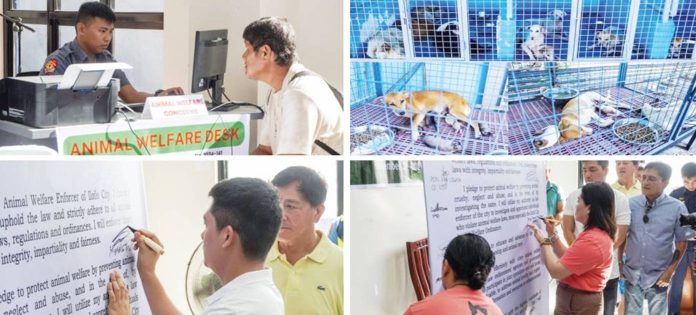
{"x":546,"y":241}
{"x":157,"y":93}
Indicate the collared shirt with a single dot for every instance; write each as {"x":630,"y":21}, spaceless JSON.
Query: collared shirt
{"x":650,"y":246}
{"x":455,"y":301}
{"x":630,"y":191}
{"x":554,"y":195}
{"x":300,"y":112}
{"x":250,"y":293}
{"x":314,"y":285}
{"x":58,"y":61}
{"x":622,"y":214}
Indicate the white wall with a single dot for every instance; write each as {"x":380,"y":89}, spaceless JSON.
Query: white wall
{"x":564,"y":174}
{"x":319,"y":40}
{"x":318,"y":32}
{"x":177,"y":198}
{"x":382,"y":220}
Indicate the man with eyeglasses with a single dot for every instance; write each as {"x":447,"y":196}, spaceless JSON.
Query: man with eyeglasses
{"x":596,"y":171}
{"x":656,"y":242}
{"x":687,"y":195}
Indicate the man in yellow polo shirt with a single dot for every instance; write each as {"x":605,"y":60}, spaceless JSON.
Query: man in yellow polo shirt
{"x":626,"y":182}
{"x":307,"y":267}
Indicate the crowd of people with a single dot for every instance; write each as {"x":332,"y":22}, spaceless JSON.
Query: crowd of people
{"x":619,"y":246}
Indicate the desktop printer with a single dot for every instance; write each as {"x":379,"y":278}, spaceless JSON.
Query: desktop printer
{"x":38,"y":102}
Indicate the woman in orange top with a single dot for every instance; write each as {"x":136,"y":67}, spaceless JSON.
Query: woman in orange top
{"x":468,"y":261}
{"x":584,"y":267}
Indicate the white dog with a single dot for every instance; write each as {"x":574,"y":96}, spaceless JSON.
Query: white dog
{"x":382,"y":43}
{"x":575,"y":116}
{"x":534,"y":45}
{"x":553,"y":23}
{"x":667,"y":116}
{"x":386,"y":44}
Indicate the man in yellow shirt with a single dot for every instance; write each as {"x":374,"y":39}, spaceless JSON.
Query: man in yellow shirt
{"x":307,"y":267}
{"x":626,"y":182}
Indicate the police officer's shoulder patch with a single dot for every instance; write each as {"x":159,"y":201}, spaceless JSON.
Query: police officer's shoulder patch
{"x":50,"y":65}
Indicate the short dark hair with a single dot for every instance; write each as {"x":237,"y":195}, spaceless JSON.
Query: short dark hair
{"x":311,"y":184}
{"x":275,"y":32}
{"x":600,"y":197}
{"x":688,"y":170}
{"x":471,"y":258}
{"x":252,"y":207}
{"x":635,"y":162}
{"x":90,"y":10}
{"x":664,"y":170}
{"x":602,"y":163}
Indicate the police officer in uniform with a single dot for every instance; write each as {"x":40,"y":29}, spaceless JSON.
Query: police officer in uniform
{"x":94,"y":28}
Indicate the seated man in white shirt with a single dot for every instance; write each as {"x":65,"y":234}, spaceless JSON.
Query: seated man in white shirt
{"x":303,"y":116}
{"x":240,"y":228}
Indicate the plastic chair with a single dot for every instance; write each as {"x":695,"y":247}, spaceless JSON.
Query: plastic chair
{"x":419,"y":267}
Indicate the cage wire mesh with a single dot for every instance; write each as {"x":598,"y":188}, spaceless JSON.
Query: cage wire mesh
{"x":435,"y":28}
{"x":483,"y":17}
{"x":603,"y":28}
{"x":636,"y":108}
{"x":666,"y":29}
{"x":375,"y":29}
{"x":519,"y":30}
{"x":434,"y":89}
{"x":542,"y":30}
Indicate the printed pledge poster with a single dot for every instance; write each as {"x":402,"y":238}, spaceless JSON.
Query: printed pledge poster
{"x":61,"y":234}
{"x":494,"y":199}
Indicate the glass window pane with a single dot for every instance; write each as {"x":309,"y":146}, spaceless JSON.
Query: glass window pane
{"x":146,"y":59}
{"x":139,"y":6}
{"x":34,"y":48}
{"x":29,"y":5}
{"x":71,"y":5}
{"x":65,"y":34}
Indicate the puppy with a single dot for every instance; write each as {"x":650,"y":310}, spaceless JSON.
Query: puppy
{"x":534,"y":44}
{"x":608,"y":40}
{"x":458,"y":125}
{"x":547,"y":138}
{"x":676,"y":50}
{"x":417,"y":105}
{"x":576,"y":115}
{"x":552,"y":23}
{"x":546,"y":53}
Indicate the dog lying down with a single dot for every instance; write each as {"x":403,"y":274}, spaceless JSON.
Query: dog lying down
{"x":420,"y":104}
{"x":575,"y":116}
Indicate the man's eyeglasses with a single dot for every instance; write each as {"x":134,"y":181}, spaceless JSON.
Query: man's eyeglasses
{"x":648,"y":207}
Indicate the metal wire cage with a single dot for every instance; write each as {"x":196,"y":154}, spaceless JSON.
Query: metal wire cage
{"x":522,"y":30}
{"x":375,"y":29}
{"x":502,"y":30}
{"x":665,"y":29}
{"x":638,"y":108}
{"x":439,"y":84}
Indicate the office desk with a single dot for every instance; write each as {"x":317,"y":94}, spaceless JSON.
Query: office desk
{"x":219,"y":133}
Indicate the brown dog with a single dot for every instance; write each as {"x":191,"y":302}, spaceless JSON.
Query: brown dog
{"x":417,"y":105}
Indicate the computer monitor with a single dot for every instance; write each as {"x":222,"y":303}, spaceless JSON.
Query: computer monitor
{"x":209,"y":63}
